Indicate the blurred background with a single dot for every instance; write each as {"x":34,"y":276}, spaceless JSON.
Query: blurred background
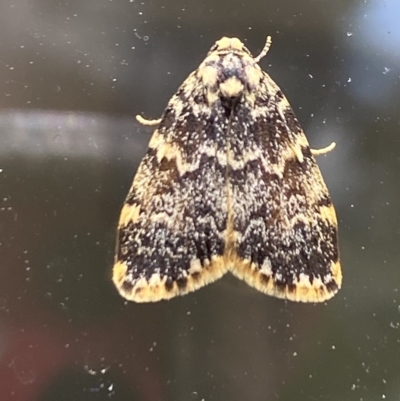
{"x":73,"y":74}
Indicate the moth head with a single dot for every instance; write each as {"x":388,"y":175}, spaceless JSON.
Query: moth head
{"x":229,"y":72}
{"x":229,"y":45}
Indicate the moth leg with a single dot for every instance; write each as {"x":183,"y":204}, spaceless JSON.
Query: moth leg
{"x":322,"y":151}
{"x":145,"y":121}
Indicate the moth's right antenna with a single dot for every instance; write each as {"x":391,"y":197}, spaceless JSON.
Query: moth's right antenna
{"x":265,"y":50}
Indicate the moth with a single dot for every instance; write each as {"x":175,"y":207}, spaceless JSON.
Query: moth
{"x":229,"y":184}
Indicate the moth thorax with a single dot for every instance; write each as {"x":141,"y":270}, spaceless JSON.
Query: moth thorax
{"x":231,"y":88}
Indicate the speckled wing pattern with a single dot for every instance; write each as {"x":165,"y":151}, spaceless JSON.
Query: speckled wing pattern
{"x":229,"y":183}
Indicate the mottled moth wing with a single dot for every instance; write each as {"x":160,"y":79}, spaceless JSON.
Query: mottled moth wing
{"x":229,"y":183}
{"x":284,"y":221}
{"x":171,"y":230}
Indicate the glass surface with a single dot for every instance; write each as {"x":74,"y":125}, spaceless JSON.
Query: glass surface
{"x":73,"y":76}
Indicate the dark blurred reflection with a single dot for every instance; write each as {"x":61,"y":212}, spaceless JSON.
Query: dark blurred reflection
{"x":73,"y":74}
